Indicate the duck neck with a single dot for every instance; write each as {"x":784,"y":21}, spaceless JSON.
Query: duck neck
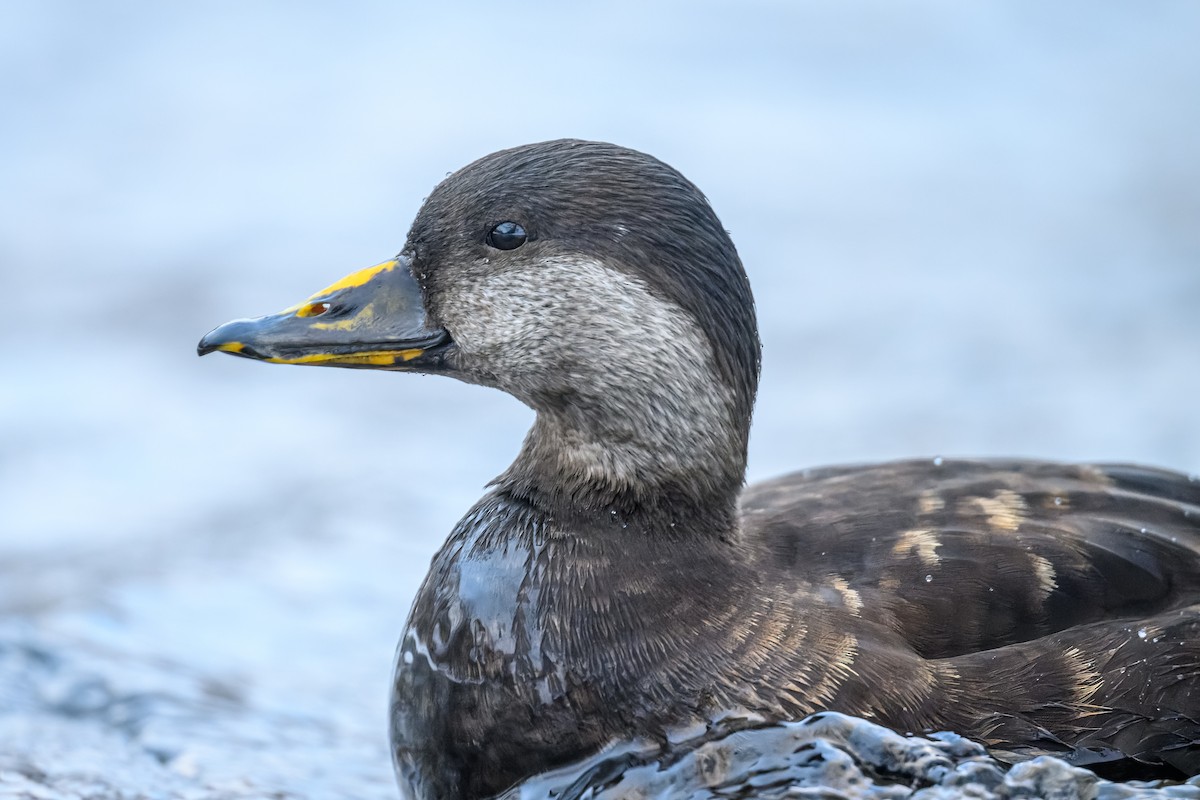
{"x":678,"y":464}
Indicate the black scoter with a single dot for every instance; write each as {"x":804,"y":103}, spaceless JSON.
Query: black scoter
{"x":617,"y":583}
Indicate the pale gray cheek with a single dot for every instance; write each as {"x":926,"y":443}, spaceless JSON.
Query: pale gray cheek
{"x":502,"y":347}
{"x":577,"y":318}
{"x":638,"y":369}
{"x":504,"y":334}
{"x":527,"y":326}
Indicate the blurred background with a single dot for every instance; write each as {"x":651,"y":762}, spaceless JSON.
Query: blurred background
{"x":972,"y":229}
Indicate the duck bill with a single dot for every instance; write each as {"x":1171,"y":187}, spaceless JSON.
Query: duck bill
{"x":372,"y":319}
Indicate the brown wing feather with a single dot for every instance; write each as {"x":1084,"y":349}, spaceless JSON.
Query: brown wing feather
{"x":961,"y":556}
{"x":1093,"y":693}
{"x":1047,"y":607}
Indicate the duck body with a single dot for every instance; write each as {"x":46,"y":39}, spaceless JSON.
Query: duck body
{"x":616,"y":584}
{"x":1035,"y":607}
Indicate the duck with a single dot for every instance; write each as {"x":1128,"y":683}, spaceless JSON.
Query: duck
{"x":619,"y":582}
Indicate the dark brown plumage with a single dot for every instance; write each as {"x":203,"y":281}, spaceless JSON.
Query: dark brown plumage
{"x":616,"y":583}
{"x":1050,"y":608}
{"x":1039,"y":608}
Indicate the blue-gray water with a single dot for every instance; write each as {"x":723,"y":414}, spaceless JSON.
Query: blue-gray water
{"x":971,"y":227}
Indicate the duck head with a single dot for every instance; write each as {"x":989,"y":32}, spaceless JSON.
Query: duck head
{"x":592,"y":282}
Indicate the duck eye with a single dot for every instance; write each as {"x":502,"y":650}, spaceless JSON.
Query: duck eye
{"x":506,"y":236}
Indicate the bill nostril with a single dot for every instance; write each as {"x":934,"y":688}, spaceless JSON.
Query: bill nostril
{"x":312,"y":310}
